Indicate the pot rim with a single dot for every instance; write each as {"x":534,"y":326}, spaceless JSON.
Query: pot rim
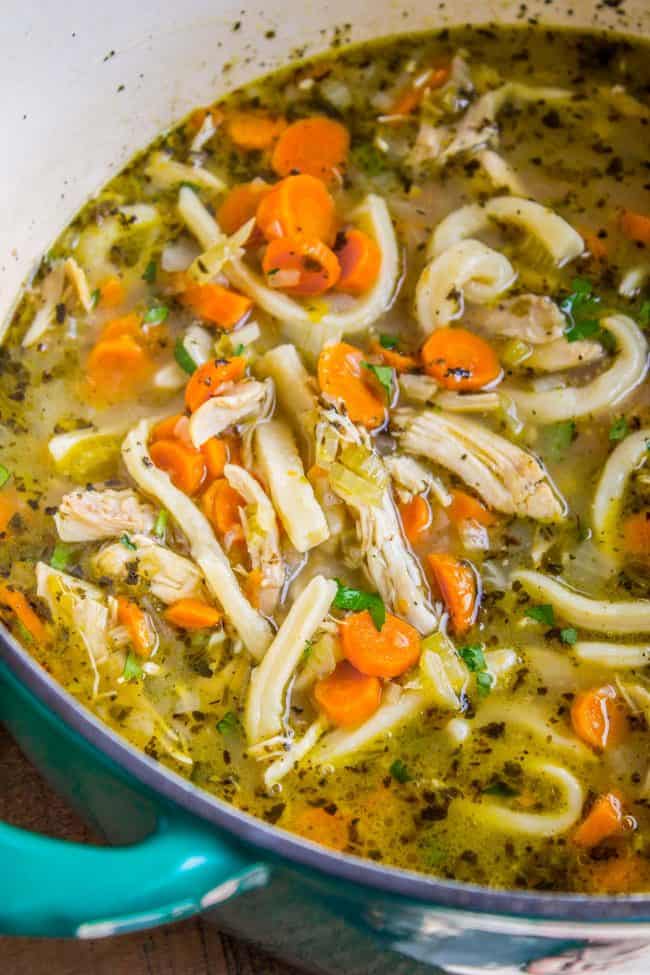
{"x":512,"y":909}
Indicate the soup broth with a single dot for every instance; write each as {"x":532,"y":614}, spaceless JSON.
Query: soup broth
{"x":323,"y":444}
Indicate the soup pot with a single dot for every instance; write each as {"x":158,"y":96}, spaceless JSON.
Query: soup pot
{"x":83,"y":88}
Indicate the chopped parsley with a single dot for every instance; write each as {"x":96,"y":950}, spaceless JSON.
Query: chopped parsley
{"x":306,"y":653}
{"x":228,"y":724}
{"x":484,"y":682}
{"x":644,"y":314}
{"x":501,"y":789}
{"x":569,"y":635}
{"x":94,"y":298}
{"x":384,"y":375}
{"x":619,"y":429}
{"x":183,"y":358}
{"x":132,"y":667}
{"x":388,"y":341}
{"x":541,"y":614}
{"x":581,"y":307}
{"x":558,"y":437}
{"x":5,"y":474}
{"x":160,"y":527}
{"x":156,"y":315}
{"x":474,"y":659}
{"x":399,"y":771}
{"x":356,"y":600}
{"x":60,"y":556}
{"x":127,"y":543}
{"x":369,"y":158}
{"x":150,"y":272}
{"x":239,"y":349}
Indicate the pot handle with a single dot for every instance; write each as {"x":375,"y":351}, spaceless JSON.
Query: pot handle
{"x":51,"y":887}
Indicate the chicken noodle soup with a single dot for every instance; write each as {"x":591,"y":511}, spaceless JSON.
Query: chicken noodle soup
{"x":323,"y":461}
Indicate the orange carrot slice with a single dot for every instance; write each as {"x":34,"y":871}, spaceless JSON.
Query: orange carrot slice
{"x":192,"y":614}
{"x":240,"y":205}
{"x":416,"y":517}
{"x":320,"y":826}
{"x":184,"y":465}
{"x":458,"y":359}
{"x":598,"y":717}
{"x":464,"y":507}
{"x":111,"y":293}
{"x":215,"y":456}
{"x":221,"y":504}
{"x":360,"y":259}
{"x":341,"y":375}
{"x":216,"y":304}
{"x":298,"y":205}
{"x":166,"y":429}
{"x":412,"y":96}
{"x":636,"y":226}
{"x":141,"y":632}
{"x":379,"y":653}
{"x":250,"y":130}
{"x":118,"y":367}
{"x":604,"y":819}
{"x":348,"y":697}
{"x":210,"y":377}
{"x":300,"y":265}
{"x":456,"y":583}
{"x":130,"y":325}
{"x":636,"y":535}
{"x":16,"y":602}
{"x":317,"y":145}
{"x":396,"y":360}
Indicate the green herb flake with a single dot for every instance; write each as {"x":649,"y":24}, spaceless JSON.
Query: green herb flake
{"x":150,"y":272}
{"x":307,"y":651}
{"x":156,"y":315}
{"x":5,"y":474}
{"x":569,"y":635}
{"x":183,"y":358}
{"x":369,"y":158}
{"x":187,"y":184}
{"x":473,"y":658}
{"x":388,"y":341}
{"x":484,"y":683}
{"x":581,"y":307}
{"x":239,"y":349}
{"x":619,"y":429}
{"x":541,"y":614}
{"x":160,"y":527}
{"x":399,"y":771}
{"x":228,"y":724}
{"x":132,"y":667}
{"x":644,"y":314}
{"x":558,"y":437}
{"x":384,"y":375}
{"x":356,"y":600}
{"x":60,"y":556}
{"x":23,"y":632}
{"x":94,"y":298}
{"x":501,"y":789}
{"x":127,"y":543}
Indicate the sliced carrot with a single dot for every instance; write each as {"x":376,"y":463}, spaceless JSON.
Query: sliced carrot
{"x":240,"y":205}
{"x":16,"y":602}
{"x":192,"y":614}
{"x":595,"y":245}
{"x":636,"y":535}
{"x":216,"y":304}
{"x":184,"y":465}
{"x":130,"y":325}
{"x":118,"y":367}
{"x":456,"y":583}
{"x":341,"y":375}
{"x":464,"y":507}
{"x":396,"y":360}
{"x":416,"y":517}
{"x":604,"y":819}
{"x":141,"y":632}
{"x":598,"y":717}
{"x":166,"y":429}
{"x":250,"y":130}
{"x":636,"y":226}
{"x":221,"y":504}
{"x":412,"y":96}
{"x":360,"y":259}
{"x":210,"y":377}
{"x":297,"y":205}
{"x":320,"y":826}
{"x":317,"y":145}
{"x":215,"y":456}
{"x":111,"y":293}
{"x":9,"y":506}
{"x":348,"y":697}
{"x":458,"y":359}
{"x":624,"y":874}
{"x":253,"y":587}
{"x":379,"y":653}
{"x":300,"y":265}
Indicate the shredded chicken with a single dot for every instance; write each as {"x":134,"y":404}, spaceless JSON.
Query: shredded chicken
{"x":508,"y":478}
{"x":238,"y":402}
{"x":561,"y":355}
{"x":410,"y":477}
{"x":262,"y":535}
{"x":87,"y":516}
{"x":532,"y":318}
{"x":169,"y":576}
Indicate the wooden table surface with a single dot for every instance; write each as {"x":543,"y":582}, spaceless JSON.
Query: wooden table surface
{"x":188,"y":948}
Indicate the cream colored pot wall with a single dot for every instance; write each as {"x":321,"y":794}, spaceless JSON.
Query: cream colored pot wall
{"x":83,"y":85}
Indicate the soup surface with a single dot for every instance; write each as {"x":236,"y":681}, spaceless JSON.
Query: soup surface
{"x":324,"y":438}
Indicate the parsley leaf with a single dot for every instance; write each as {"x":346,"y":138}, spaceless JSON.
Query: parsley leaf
{"x":619,"y":429}
{"x":384,"y":375}
{"x":388,"y":341}
{"x":558,"y":437}
{"x":569,"y":635}
{"x":160,"y":526}
{"x":132,"y":667}
{"x":94,"y":298}
{"x":5,"y":474}
{"x":239,"y":349}
{"x":499,"y":788}
{"x":150,"y":272}
{"x":127,"y":543}
{"x":183,"y":358}
{"x":369,"y":158}
{"x":473,"y":657}
{"x":156,"y":315}
{"x":306,"y":653}
{"x":484,"y":682}
{"x":228,"y":724}
{"x":541,"y":614}
{"x":581,"y":307}
{"x":644,"y":314}
{"x":60,"y":556}
{"x":399,"y":771}
{"x":357,"y":600}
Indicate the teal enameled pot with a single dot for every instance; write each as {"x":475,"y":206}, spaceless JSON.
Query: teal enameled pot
{"x":82,"y":89}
